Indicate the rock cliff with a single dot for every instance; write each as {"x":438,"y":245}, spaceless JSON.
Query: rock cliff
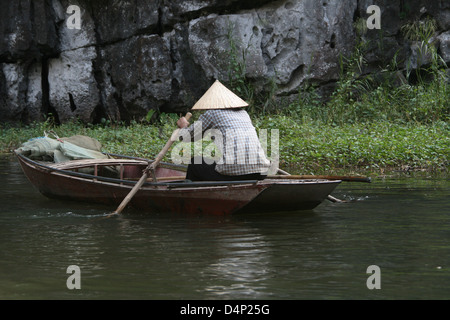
{"x":118,"y":59}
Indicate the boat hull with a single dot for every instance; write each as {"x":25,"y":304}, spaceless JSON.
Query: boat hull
{"x":289,"y":196}
{"x":217,"y":198}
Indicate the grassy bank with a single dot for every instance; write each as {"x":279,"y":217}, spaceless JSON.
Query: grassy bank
{"x":304,"y":146}
{"x":376,"y":146}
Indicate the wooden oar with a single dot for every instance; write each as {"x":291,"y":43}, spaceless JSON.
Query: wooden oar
{"x":151,"y":167}
{"x":300,"y":177}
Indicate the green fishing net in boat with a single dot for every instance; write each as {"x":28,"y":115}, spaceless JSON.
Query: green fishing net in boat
{"x":66,"y":149}
{"x":62,"y":149}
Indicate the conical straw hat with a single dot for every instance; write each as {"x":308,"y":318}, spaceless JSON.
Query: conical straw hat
{"x":219,"y":97}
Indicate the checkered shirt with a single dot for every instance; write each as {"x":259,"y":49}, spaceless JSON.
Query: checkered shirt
{"x":236,"y":138}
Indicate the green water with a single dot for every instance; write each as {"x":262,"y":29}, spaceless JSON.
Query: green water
{"x":401,"y":225}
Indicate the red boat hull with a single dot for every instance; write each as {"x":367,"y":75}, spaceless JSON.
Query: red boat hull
{"x":189,"y":198}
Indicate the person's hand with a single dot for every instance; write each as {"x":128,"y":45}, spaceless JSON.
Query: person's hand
{"x":182,"y":123}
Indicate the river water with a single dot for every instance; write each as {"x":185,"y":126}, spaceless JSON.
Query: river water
{"x":399,"y":224}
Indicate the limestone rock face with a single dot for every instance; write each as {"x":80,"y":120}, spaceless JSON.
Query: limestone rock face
{"x":287,"y":42}
{"x":137,"y":73}
{"x":127,"y":57}
{"x":73,"y":91}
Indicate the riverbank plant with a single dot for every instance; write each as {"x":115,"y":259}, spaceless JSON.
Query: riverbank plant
{"x":305,"y":146}
{"x":418,"y":94}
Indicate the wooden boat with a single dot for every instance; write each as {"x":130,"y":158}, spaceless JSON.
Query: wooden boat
{"x":108,"y":181}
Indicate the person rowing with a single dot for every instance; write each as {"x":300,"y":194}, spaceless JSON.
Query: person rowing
{"x":241,"y":156}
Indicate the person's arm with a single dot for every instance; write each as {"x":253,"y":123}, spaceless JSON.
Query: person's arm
{"x":196,"y":129}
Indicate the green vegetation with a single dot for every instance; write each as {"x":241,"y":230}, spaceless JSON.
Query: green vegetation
{"x":312,"y":147}
{"x":372,"y":122}
{"x":305,"y":146}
